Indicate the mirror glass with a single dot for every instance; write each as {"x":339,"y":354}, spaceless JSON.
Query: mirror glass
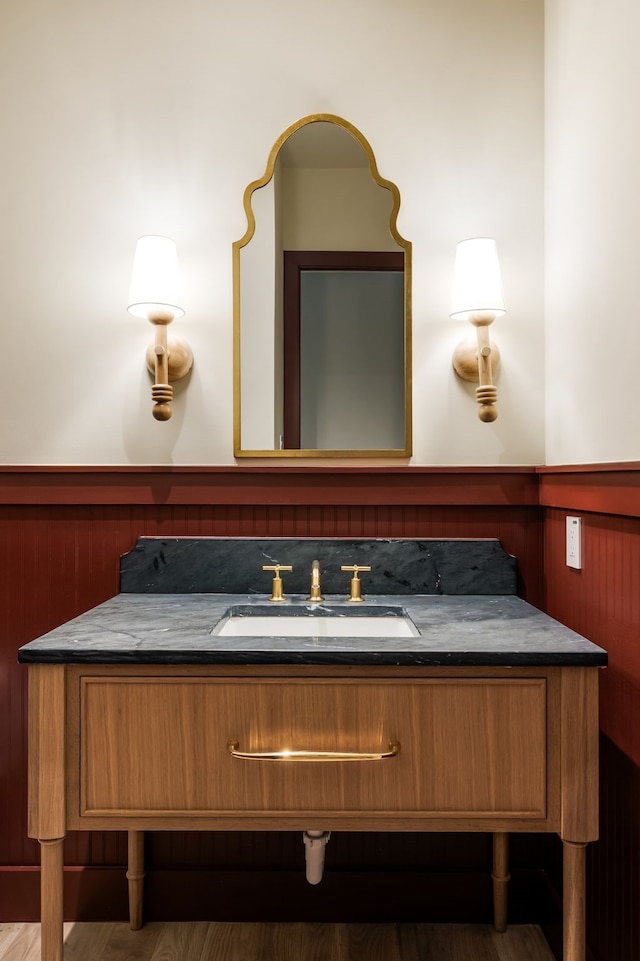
{"x":322,"y":318}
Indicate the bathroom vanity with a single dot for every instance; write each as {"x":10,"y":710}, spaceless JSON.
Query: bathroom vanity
{"x":479,"y":713}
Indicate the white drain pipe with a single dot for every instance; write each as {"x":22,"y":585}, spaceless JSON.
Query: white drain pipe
{"x":314,"y":844}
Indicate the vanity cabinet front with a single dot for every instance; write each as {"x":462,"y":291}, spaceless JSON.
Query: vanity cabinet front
{"x":334,"y":748}
{"x":158,"y":745}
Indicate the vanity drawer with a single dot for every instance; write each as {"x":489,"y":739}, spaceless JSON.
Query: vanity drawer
{"x":159,"y":745}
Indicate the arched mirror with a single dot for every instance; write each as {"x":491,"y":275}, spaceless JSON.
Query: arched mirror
{"x":322,"y":303}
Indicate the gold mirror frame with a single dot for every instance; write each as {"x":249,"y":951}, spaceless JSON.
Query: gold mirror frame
{"x":237,"y":246}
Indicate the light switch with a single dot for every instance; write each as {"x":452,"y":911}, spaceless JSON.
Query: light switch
{"x":574,"y":542}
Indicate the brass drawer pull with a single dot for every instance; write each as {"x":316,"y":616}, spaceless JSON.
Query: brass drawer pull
{"x":394,"y":749}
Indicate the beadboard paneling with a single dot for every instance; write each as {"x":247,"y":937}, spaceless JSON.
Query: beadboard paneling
{"x":602,"y":601}
{"x":613,"y":925}
{"x":62,"y":533}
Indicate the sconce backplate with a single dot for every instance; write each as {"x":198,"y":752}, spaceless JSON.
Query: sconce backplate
{"x":180,"y":358}
{"x":465,"y":359}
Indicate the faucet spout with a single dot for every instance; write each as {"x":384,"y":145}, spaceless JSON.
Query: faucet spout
{"x":316,"y":593}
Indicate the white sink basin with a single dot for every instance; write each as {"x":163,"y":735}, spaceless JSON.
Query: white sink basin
{"x":317,"y":625}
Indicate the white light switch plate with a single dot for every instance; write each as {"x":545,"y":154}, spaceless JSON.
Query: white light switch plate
{"x":574,"y":542}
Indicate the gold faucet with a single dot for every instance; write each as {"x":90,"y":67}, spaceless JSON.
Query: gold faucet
{"x":356,"y":595}
{"x":316,"y":594}
{"x":276,"y":586}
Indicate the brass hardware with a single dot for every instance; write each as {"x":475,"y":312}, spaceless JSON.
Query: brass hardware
{"x":276,"y":587}
{"x":285,"y":755}
{"x":355,"y":595}
{"x":167,"y":360}
{"x":316,"y":594}
{"x":476,"y":361}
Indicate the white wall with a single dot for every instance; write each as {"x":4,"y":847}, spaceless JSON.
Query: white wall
{"x":593,"y":213}
{"x":335,"y":209}
{"x":145,"y":116}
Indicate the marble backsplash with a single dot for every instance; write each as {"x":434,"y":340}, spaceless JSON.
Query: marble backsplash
{"x":204,"y":565}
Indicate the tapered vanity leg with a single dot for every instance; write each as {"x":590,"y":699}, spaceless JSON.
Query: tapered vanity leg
{"x":573,"y":897}
{"x":51,"y":893}
{"x":135,"y":877}
{"x":501,"y":878}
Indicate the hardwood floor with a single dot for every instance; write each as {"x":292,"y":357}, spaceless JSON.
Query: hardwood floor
{"x":205,"y":941}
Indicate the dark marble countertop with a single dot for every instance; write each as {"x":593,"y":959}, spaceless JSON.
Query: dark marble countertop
{"x":452,"y":630}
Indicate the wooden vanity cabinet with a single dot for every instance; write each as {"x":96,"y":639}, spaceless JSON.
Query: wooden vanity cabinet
{"x":116,"y":747}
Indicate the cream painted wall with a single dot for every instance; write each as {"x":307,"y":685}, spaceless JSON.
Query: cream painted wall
{"x":592,"y":214}
{"x":335,"y":209}
{"x":125,"y":118}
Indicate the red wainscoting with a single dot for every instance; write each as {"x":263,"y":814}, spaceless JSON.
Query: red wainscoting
{"x":602,"y":601}
{"x":62,"y":532}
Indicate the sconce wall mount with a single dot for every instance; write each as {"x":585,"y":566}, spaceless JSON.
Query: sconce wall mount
{"x":477,"y":297}
{"x":155,"y":293}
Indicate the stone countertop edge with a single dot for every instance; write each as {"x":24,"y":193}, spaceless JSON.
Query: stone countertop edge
{"x":470,"y":630}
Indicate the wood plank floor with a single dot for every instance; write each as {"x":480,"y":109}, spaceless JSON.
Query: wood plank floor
{"x":205,"y":941}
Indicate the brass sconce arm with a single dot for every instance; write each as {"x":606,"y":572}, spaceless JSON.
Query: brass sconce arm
{"x":167,"y":360}
{"x":475,"y":360}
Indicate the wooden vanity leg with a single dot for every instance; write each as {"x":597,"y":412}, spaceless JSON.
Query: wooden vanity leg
{"x":51,"y":892}
{"x":135,"y":877}
{"x":573,"y":912}
{"x":501,"y":878}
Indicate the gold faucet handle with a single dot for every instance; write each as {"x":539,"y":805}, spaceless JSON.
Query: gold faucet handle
{"x":355,"y":595}
{"x":276,"y":586}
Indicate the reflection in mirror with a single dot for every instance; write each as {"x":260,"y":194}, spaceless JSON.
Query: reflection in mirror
{"x":322,"y":283}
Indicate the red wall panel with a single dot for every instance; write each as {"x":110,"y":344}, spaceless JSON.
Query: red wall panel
{"x":62,"y":532}
{"x":602,"y":601}
{"x":59,"y":556}
{"x":613,"y":865}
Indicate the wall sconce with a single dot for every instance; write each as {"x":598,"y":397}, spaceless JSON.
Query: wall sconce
{"x":477,"y":297}
{"x":156,"y":293}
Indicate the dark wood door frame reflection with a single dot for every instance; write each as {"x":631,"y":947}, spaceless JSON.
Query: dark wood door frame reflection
{"x":296,"y":261}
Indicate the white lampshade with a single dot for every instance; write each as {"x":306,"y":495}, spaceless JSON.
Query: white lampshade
{"x":477,"y":282}
{"x":155,"y":281}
